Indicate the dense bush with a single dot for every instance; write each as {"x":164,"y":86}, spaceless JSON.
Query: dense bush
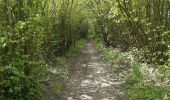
{"x":30,"y":32}
{"x":135,"y":23}
{"x":143,"y":27}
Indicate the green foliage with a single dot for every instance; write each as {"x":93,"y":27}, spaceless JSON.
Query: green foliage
{"x":108,"y":55}
{"x":61,"y":60}
{"x":135,"y":77}
{"x":63,"y":71}
{"x":79,"y":44}
{"x":140,"y":89}
{"x":134,"y":24}
{"x":147,"y":91}
{"x":17,"y":85}
{"x":58,"y":88}
{"x":98,"y":43}
{"x":32,"y":31}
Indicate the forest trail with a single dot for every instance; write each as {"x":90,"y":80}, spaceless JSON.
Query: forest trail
{"x":91,"y":77}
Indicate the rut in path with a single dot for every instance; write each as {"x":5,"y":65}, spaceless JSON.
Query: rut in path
{"x":91,"y":78}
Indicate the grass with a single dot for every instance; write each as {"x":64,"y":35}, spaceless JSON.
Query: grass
{"x":58,"y":88}
{"x":138,"y":85}
{"x":109,"y":55}
{"x":117,"y":59}
{"x":62,"y":62}
{"x":79,"y":44}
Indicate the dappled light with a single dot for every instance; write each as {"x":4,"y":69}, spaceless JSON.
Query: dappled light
{"x":92,"y":78}
{"x":84,"y":49}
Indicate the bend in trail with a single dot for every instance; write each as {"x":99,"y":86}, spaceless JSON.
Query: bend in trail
{"x":91,"y":78}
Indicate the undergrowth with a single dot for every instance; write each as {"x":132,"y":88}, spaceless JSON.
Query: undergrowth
{"x":78,"y":45}
{"x":140,"y":87}
{"x":61,"y":69}
{"x":117,"y":59}
{"x":144,"y":81}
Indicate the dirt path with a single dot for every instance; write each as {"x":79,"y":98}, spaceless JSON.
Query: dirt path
{"x":91,"y":78}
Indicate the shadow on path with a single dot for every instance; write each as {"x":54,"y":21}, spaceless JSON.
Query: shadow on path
{"x":91,"y":78}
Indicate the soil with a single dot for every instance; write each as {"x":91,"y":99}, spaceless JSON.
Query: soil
{"x":91,"y":78}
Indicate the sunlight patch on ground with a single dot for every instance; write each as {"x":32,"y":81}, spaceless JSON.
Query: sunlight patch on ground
{"x":105,"y":85}
{"x":85,"y":97}
{"x":92,"y":79}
